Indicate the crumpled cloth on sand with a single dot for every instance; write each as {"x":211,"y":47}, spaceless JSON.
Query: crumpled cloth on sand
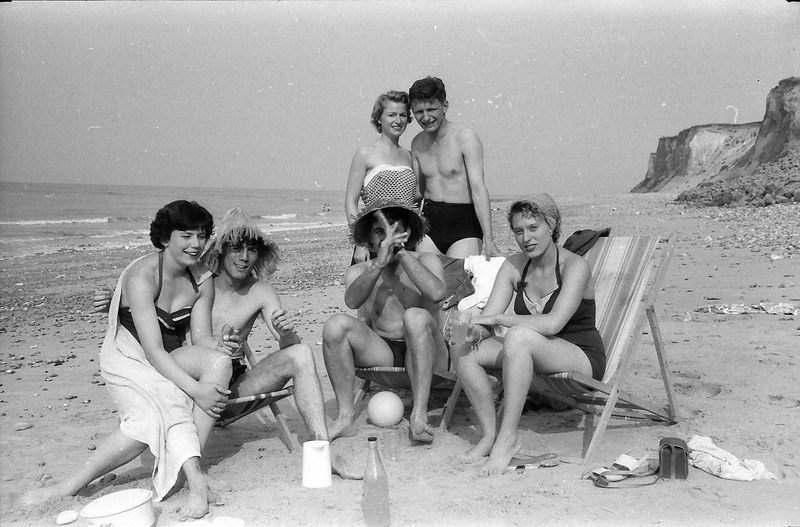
{"x":152,"y":409}
{"x":707,"y":456}
{"x":769,"y":308}
{"x":483,"y":274}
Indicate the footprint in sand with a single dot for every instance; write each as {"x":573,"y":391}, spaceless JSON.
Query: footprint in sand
{"x":706,"y":389}
{"x":786,"y":402}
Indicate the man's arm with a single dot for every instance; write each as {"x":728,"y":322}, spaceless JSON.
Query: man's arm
{"x":416,"y":166}
{"x":473,"y":162}
{"x":426,"y":272}
{"x":279,"y":322}
{"x":360,"y":280}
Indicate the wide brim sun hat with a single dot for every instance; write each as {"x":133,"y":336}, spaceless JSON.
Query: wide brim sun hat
{"x":362,"y":222}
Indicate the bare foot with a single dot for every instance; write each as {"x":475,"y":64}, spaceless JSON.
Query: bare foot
{"x":342,"y":428}
{"x":478,"y":452}
{"x":504,"y":449}
{"x":341,"y":468}
{"x":196,"y":505}
{"x":36,"y":497}
{"x":422,"y":432}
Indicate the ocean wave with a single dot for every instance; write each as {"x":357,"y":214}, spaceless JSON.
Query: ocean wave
{"x":55,"y":222}
{"x":287,"y":216}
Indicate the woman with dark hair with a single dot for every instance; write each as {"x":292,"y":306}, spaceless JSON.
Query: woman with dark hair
{"x":552,"y":327}
{"x":382,"y":169}
{"x":169,"y":394}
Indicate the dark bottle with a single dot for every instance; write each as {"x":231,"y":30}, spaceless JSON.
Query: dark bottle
{"x":375,"y":502}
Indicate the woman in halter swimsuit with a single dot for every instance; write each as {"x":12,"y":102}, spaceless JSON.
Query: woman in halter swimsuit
{"x":552,"y":328}
{"x":161,"y":303}
{"x":382,"y":169}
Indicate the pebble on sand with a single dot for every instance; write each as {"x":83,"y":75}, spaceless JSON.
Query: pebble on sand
{"x":66,"y":517}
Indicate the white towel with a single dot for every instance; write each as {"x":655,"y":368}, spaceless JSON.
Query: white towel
{"x":152,"y":409}
{"x":483,"y":274}
{"x":707,"y":456}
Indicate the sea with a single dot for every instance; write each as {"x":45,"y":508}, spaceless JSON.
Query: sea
{"x":43,"y":218}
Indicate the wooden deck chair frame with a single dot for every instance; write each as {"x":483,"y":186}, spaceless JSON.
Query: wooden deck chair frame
{"x":261,"y":401}
{"x":627,"y":280}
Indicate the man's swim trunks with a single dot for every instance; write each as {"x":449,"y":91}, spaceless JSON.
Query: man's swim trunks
{"x":450,"y":222}
{"x":398,"y":349}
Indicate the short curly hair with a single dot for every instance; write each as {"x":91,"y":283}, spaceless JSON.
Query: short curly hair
{"x":539,"y":206}
{"x":427,"y":89}
{"x":180,"y":215}
{"x":380,"y":105}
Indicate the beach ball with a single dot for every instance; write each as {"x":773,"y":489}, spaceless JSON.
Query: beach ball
{"x":385,"y":409}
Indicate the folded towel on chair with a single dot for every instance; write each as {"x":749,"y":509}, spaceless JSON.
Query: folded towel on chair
{"x":483,"y":274}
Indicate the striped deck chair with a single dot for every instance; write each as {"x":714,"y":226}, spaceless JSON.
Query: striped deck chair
{"x":627,"y":279}
{"x":243,"y":406}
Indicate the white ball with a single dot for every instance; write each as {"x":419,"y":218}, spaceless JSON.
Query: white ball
{"x":385,"y":409}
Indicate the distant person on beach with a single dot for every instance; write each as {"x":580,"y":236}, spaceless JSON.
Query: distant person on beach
{"x":397,"y":296}
{"x":169,"y":394}
{"x":241,"y":257}
{"x":552,"y":328}
{"x":383,"y":167}
{"x":448,"y":161}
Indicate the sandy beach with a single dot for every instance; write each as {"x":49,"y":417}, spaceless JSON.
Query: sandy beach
{"x":735,"y":377}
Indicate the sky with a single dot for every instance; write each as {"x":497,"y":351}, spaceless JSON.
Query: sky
{"x":568,"y":97}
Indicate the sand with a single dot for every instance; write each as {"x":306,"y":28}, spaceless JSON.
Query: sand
{"x":735,"y":377}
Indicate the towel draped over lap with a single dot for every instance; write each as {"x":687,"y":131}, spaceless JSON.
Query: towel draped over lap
{"x":152,"y":409}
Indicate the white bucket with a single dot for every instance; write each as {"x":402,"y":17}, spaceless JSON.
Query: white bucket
{"x":316,"y":464}
{"x":125,"y":508}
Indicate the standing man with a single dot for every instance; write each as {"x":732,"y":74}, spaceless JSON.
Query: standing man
{"x":448,"y":160}
{"x":397,"y":296}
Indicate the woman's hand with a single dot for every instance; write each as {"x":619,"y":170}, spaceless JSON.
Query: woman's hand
{"x":101,"y":300}
{"x":210,"y":398}
{"x":483,"y":320}
{"x":283,"y":322}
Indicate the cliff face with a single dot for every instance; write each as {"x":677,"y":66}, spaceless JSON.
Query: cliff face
{"x":687,"y":159}
{"x":728,"y":163}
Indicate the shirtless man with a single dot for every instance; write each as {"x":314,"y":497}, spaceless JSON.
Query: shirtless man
{"x":397,"y":296}
{"x":448,"y":160}
{"x":240,"y":257}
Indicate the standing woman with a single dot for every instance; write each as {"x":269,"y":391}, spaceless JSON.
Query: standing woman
{"x":169,"y":394}
{"x":382,"y":169}
{"x":552,"y":328}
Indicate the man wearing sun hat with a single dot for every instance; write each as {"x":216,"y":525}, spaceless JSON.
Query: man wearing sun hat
{"x":397,"y":296}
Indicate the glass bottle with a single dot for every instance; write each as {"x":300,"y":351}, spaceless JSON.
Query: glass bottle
{"x":375,"y":501}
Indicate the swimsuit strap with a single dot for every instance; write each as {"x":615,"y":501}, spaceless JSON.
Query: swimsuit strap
{"x":522,"y":284}
{"x":191,"y":279}
{"x":558,"y":271}
{"x":160,"y":272}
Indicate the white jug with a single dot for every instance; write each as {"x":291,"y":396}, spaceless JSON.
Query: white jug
{"x":316,"y":464}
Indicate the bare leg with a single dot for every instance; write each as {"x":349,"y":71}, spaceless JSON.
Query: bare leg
{"x":116,"y":450}
{"x":210,"y":366}
{"x":346,"y":342}
{"x":465,"y":247}
{"x":426,"y":245}
{"x":476,"y":383}
{"x":196,"y":505}
{"x":524,"y":352}
{"x":424,"y":342}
